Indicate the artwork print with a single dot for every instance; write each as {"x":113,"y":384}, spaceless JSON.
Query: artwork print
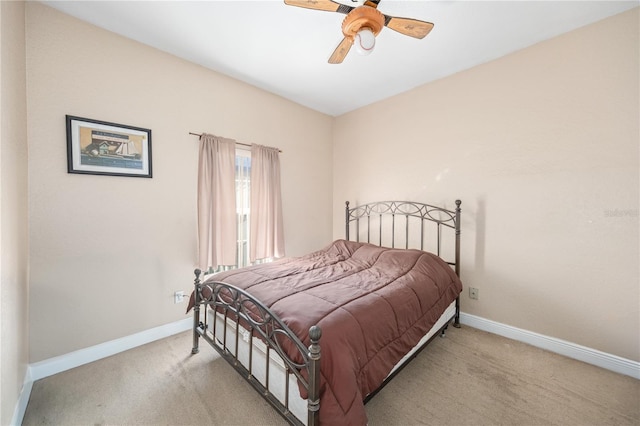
{"x":103,"y":148}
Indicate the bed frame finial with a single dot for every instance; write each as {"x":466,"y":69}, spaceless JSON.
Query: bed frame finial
{"x":196,"y":311}
{"x":313,"y":398}
{"x":346,"y":220}
{"x":315,"y":333}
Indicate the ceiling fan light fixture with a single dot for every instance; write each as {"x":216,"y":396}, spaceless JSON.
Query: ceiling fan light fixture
{"x":362,"y":24}
{"x":364,"y":41}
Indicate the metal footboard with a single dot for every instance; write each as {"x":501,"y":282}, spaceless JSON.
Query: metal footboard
{"x":253,"y":320}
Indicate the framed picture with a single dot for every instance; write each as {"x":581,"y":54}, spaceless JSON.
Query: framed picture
{"x":101,"y":148}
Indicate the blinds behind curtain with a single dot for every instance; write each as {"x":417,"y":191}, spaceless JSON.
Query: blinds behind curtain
{"x":266,"y":231}
{"x":216,"y":202}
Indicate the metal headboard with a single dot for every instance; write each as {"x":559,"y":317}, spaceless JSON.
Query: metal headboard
{"x":426,"y":213}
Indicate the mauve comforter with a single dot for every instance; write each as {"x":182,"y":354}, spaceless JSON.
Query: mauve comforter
{"x":372,"y":303}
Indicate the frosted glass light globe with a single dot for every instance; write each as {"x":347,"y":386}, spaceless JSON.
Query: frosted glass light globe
{"x":364,"y":41}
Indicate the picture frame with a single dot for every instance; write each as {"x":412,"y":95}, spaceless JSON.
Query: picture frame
{"x":102,"y":148}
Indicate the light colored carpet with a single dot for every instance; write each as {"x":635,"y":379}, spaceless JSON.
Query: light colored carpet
{"x":470,"y":377}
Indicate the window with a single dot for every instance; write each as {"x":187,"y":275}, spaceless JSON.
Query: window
{"x":228,"y":234}
{"x":243,"y":200}
{"x":243,"y":210}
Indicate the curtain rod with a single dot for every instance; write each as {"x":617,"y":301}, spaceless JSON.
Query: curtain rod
{"x":239,"y":143}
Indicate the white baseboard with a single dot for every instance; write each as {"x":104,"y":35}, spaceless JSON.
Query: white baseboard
{"x":51,"y":366}
{"x":23,"y":400}
{"x":80,"y":357}
{"x":48,"y":367}
{"x":551,"y":344}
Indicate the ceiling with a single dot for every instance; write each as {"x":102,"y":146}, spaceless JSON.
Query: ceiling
{"x":284,"y":49}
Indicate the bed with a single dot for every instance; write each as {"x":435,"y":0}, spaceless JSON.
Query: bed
{"x":374,"y":300}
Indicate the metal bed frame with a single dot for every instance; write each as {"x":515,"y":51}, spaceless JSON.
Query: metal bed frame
{"x":236,"y":306}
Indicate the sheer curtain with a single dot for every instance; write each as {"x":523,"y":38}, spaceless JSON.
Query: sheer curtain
{"x":266,"y":232}
{"x":216,"y":202}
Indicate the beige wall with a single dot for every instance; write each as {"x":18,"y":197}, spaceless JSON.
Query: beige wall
{"x":542,"y":148}
{"x":107,"y":253}
{"x":14,"y":329}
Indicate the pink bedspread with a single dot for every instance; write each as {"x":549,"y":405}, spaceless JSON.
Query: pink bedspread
{"x":373,"y":304}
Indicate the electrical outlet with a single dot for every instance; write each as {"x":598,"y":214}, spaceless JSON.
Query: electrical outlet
{"x":178,"y":296}
{"x":473,"y":293}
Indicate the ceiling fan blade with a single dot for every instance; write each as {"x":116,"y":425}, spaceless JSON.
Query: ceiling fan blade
{"x":341,"y":51}
{"x":372,"y":3}
{"x":411,"y":27}
{"x":327,"y":5}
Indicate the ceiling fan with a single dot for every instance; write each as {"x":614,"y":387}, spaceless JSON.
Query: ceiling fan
{"x":362,"y":24}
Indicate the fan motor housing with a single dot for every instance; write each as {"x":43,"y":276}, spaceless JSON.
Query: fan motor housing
{"x":362,"y":17}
